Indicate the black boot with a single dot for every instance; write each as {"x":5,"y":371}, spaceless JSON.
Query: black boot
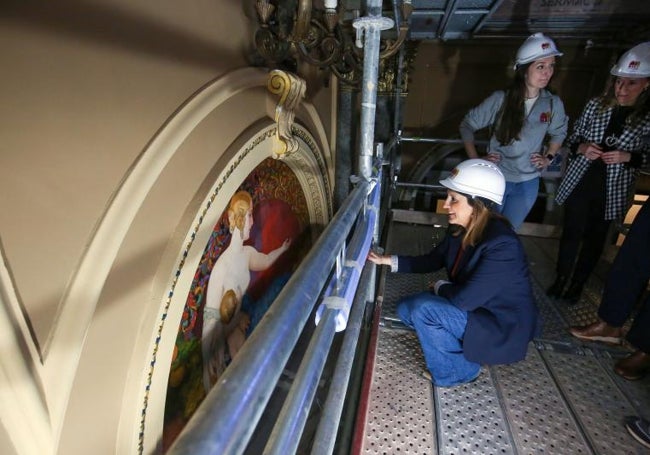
{"x":555,"y":291}
{"x":572,"y":294}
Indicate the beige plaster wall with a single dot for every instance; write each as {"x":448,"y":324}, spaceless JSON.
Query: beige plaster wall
{"x":86,"y":86}
{"x":449,"y":78}
{"x":96,"y":197}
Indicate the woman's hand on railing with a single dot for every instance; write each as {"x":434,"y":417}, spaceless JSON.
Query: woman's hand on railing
{"x":378,"y":258}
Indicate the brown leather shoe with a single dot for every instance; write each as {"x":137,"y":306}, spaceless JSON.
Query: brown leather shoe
{"x":598,"y":331}
{"x":633,"y":367}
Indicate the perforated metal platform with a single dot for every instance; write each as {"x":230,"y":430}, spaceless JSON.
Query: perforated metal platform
{"x":563,"y":399}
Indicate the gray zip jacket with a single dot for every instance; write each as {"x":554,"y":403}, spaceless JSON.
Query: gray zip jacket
{"x":547,"y":117}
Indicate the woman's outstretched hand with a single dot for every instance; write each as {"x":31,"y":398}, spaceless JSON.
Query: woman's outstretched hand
{"x":378,"y":258}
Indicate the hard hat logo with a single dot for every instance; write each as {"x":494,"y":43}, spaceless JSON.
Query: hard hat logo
{"x":634,"y":63}
{"x":545,"y":46}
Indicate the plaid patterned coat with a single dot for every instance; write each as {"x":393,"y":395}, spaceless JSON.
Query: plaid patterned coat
{"x":620,"y":177}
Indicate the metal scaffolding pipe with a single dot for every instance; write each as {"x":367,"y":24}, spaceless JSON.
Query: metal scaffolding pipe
{"x":434,"y":140}
{"x":341,"y":289}
{"x":332,"y":317}
{"x":328,"y":425}
{"x":355,"y":289}
{"x":371,"y":26}
{"x":290,"y":424}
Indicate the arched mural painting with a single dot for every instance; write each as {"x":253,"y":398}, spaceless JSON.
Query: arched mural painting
{"x":255,"y":245}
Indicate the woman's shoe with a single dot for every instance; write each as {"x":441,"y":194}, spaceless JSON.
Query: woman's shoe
{"x":633,"y":367}
{"x":573,"y":292}
{"x":555,"y":291}
{"x":598,"y":331}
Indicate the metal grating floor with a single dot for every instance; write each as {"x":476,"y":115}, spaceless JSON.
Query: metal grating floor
{"x":563,"y":399}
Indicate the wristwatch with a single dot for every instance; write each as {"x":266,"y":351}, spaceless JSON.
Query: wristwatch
{"x":550,"y":157}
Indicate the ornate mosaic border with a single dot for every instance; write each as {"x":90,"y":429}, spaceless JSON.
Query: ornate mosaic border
{"x":313,"y":183}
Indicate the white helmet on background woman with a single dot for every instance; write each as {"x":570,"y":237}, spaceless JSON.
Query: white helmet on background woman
{"x":634,"y":63}
{"x":477,"y":178}
{"x":535,"y":47}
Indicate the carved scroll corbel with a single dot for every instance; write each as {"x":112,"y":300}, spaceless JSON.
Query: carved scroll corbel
{"x":291,"y":89}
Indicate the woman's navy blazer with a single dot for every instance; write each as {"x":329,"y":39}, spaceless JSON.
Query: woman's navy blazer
{"x":492,"y":283}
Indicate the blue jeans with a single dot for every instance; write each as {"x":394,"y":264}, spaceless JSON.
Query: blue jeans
{"x":518,"y":199}
{"x":440,"y":327}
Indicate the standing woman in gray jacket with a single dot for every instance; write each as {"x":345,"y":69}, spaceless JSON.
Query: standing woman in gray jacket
{"x":520,"y":118}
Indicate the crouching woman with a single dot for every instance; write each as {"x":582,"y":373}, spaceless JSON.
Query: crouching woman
{"x":485,"y":312}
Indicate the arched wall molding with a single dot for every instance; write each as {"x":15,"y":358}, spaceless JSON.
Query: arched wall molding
{"x":62,"y":350}
{"x":309,"y":112}
{"x":309,"y":165}
{"x":312,"y":172}
{"x":23,"y":413}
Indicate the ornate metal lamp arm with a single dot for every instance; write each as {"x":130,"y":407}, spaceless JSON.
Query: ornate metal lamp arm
{"x":392,"y":48}
{"x":292,"y":30}
{"x":302,"y":21}
{"x":270,"y":45}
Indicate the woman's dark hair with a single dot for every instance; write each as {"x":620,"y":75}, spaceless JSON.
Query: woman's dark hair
{"x":482,"y":213}
{"x":640,"y":109}
{"x":510,"y":118}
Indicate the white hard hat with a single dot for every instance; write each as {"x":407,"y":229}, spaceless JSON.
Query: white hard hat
{"x":477,"y":177}
{"x":535,"y":47}
{"x":634,"y":63}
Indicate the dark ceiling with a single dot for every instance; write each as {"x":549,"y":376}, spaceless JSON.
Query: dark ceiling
{"x":599,"y":21}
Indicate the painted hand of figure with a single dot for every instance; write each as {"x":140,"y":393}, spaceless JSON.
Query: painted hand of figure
{"x":216,"y":364}
{"x":237,"y":337}
{"x":615,"y":156}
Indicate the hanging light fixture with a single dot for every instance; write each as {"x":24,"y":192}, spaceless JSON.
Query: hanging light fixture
{"x":293,"y":31}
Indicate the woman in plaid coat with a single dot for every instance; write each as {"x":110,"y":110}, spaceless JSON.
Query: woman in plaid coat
{"x":609,"y":143}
